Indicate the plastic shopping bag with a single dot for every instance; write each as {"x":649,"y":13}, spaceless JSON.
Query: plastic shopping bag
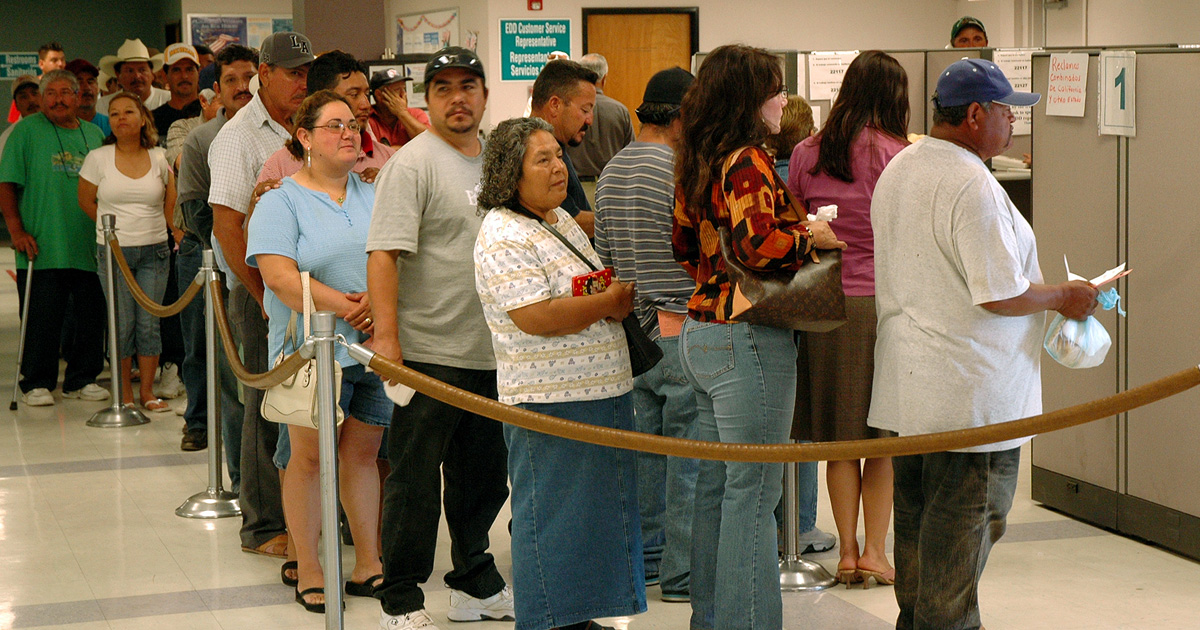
{"x":1084,"y":344}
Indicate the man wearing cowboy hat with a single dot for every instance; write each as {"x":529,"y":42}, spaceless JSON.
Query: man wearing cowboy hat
{"x":134,"y":69}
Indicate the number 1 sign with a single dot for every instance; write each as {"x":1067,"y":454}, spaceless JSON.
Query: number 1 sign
{"x":1118,"y":94}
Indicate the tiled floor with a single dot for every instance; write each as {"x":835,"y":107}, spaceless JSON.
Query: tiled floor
{"x":89,"y":541}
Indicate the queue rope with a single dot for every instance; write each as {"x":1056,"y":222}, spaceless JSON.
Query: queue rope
{"x":778,"y":453}
{"x":139,"y":296}
{"x":276,"y":375}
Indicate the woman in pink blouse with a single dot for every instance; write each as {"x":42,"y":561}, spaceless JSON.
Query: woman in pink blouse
{"x":866,"y":128}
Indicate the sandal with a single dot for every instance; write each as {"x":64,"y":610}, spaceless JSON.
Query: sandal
{"x":275,"y":548}
{"x":366,"y":588}
{"x":156,"y":405}
{"x":887,"y":578}
{"x":292,"y":580}
{"x":318,"y":608}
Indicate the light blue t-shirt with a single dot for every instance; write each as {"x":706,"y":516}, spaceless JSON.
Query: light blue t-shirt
{"x":326,"y":240}
{"x":101,"y":121}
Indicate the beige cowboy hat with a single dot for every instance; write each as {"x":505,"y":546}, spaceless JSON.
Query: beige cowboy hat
{"x":131,"y":50}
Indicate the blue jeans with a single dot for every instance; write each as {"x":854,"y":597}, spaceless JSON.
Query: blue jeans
{"x":665,"y":404}
{"x":951,"y":508}
{"x":745,"y":381}
{"x":576,"y":539}
{"x":137,"y":330}
{"x":193,"y":371}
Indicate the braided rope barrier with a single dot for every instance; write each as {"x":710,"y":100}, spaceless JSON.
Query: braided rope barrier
{"x":276,"y":375}
{"x":778,"y":453}
{"x":139,"y":296}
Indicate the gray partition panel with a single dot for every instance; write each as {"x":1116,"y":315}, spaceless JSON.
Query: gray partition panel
{"x":913,"y":63}
{"x":1075,"y":193}
{"x":1164,"y":288}
{"x":935,"y":62}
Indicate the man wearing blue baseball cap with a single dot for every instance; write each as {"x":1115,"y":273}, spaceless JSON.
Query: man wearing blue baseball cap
{"x":961,"y":305}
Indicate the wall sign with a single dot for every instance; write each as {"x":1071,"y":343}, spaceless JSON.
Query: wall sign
{"x":1065,"y":93}
{"x":825,"y":73}
{"x":218,"y":31}
{"x":427,"y":32}
{"x":1017,"y":65}
{"x":1118,"y":102}
{"x":15,"y":64}
{"x":525,"y":44}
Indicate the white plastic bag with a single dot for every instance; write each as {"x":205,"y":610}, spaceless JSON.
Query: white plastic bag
{"x":1084,"y":344}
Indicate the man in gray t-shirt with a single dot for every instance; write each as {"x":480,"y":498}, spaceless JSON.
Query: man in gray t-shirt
{"x":421,"y":282}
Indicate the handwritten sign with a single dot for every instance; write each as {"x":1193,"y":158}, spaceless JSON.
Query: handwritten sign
{"x":1118,"y":96}
{"x":825,"y":73}
{"x":1017,"y":65}
{"x":1065,"y":90}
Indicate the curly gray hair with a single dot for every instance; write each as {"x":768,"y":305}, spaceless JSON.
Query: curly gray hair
{"x":502,"y":160}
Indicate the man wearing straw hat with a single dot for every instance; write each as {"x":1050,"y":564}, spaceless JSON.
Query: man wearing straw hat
{"x":134,"y":69}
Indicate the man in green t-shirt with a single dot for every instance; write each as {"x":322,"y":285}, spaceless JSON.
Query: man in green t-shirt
{"x":39,"y":196}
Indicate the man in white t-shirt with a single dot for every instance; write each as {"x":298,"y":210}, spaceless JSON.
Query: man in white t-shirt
{"x":961,"y":306}
{"x":421,"y":281}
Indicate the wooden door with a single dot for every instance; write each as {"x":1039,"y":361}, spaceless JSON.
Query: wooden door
{"x":637,"y":44}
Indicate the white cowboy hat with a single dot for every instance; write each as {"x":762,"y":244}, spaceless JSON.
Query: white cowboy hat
{"x":131,"y":50}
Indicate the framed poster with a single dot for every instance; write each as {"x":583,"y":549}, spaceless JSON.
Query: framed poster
{"x":415,"y":88}
{"x":427,"y":32}
{"x":216,"y":31}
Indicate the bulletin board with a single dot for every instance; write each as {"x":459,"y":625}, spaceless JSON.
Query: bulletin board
{"x":427,"y":32}
{"x":217,"y":31}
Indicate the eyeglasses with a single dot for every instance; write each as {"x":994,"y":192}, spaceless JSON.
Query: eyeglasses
{"x":340,"y":127}
{"x":783,"y":92}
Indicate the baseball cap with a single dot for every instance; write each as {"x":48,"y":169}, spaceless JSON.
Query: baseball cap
{"x":80,"y":66}
{"x":966,"y":21}
{"x":22,"y":81}
{"x":978,"y":81}
{"x":668,"y":86}
{"x":286,"y":49}
{"x":453,"y":57}
{"x":180,"y":52}
{"x":380,"y":78}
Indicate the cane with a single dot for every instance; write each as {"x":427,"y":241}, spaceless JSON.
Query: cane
{"x":12,"y":406}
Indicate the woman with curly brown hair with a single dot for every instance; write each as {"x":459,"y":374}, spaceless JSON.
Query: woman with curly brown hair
{"x":744,"y":374}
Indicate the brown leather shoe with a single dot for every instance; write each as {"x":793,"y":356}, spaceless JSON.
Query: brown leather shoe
{"x":277,"y":547}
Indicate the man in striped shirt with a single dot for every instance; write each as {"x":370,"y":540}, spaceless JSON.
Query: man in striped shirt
{"x":635,"y":199}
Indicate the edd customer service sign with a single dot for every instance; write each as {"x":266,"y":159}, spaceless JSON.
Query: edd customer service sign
{"x":524,"y":45}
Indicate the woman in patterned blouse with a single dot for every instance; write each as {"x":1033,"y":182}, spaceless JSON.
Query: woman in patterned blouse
{"x":744,"y":374}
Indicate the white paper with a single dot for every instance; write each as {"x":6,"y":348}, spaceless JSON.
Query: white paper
{"x":1066,"y":88}
{"x":817,"y":122}
{"x":1118,"y":93}
{"x":1017,"y":65}
{"x":399,"y":394}
{"x":825,"y":73}
{"x":1107,"y":276}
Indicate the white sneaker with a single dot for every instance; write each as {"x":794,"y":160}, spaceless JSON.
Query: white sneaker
{"x":498,"y":607}
{"x":38,"y":397}
{"x":168,"y":385}
{"x":414,"y":620}
{"x":91,"y":391}
{"x":815,"y":540}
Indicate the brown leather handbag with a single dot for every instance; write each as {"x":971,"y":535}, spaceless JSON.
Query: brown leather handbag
{"x":810,"y":298}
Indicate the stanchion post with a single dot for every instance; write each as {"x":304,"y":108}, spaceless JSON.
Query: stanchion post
{"x":796,"y":573}
{"x":214,"y":502}
{"x":12,"y":406}
{"x":116,"y":415}
{"x":324,"y":340}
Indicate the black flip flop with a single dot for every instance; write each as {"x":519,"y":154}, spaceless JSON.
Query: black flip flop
{"x":365,"y":588}
{"x":310,"y":607}
{"x":291,"y":565}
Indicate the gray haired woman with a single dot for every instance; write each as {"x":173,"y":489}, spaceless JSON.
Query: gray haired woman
{"x":560,"y":350}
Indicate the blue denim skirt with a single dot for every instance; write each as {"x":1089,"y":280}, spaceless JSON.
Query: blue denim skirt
{"x":576,"y":538}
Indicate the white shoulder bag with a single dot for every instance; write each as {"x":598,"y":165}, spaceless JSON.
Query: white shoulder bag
{"x":294,"y":401}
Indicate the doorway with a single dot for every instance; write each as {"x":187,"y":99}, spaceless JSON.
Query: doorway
{"x":638,"y":43}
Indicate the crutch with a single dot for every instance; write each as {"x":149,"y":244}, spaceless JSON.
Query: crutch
{"x":12,"y":406}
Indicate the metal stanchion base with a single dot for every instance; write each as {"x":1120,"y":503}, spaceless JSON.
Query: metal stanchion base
{"x":798,"y":574}
{"x":210,"y":504}
{"x":117,"y":416}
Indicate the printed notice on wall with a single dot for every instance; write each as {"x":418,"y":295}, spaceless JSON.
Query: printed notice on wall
{"x":1065,"y":90}
{"x":1117,"y":83}
{"x":825,"y":73}
{"x":1017,"y":65}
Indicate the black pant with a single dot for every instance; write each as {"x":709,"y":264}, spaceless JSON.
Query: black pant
{"x":171,"y":328}
{"x":429,"y":440}
{"x":262,"y":505}
{"x":54,"y":292}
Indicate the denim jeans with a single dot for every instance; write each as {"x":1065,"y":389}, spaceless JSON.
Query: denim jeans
{"x":951,"y":508}
{"x":745,"y":381}
{"x":430,"y":441}
{"x":193,"y":371}
{"x":576,"y":538}
{"x":137,"y":330}
{"x":665,"y":404}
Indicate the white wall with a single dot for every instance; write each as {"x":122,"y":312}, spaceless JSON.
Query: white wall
{"x":999,"y":17}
